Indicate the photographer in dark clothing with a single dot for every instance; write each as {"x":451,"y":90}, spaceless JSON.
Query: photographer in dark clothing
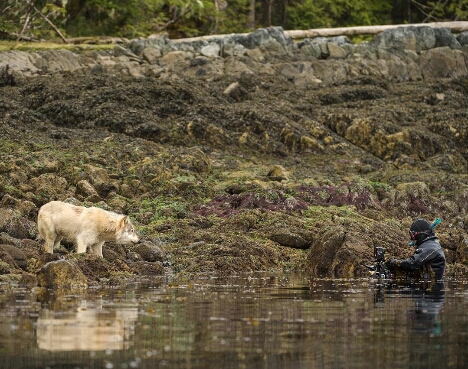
{"x":428,"y":252}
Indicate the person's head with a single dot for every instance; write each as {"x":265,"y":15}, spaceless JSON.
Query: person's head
{"x":420,"y":230}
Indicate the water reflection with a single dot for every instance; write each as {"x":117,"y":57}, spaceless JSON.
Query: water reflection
{"x":87,"y":328}
{"x":426,"y":314}
{"x":242,"y":322}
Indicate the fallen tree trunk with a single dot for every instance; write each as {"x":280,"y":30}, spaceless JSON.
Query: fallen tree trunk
{"x":455,"y":27}
{"x":19,"y":37}
{"x":57,"y":31}
{"x":96,"y":40}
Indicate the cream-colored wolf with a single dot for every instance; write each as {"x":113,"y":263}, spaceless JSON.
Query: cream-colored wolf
{"x":83,"y":226}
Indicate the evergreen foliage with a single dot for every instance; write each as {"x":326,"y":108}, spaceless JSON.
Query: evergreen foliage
{"x":307,"y":14}
{"x":187,"y":18}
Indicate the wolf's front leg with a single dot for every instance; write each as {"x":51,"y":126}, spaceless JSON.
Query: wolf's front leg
{"x":49,"y":246}
{"x":57,"y":242}
{"x":81,"y":245}
{"x":97,"y":248}
{"x":50,"y":238}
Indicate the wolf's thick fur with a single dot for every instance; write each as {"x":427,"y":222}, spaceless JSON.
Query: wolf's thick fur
{"x":83,"y":226}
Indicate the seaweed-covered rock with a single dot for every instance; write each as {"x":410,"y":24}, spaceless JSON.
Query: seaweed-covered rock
{"x":61,"y":274}
{"x":7,"y":262}
{"x":17,"y":254}
{"x":96,"y":268}
{"x":149,"y":251}
{"x":6,"y":239}
{"x":146,"y":268}
{"x":49,"y":186}
{"x":240,"y":162}
{"x":87,"y":191}
{"x":24,"y":207}
{"x":16,"y":225}
{"x":410,"y":38}
{"x":286,"y":238}
{"x":345,"y":244}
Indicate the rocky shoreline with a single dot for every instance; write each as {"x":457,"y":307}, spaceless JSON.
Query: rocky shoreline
{"x":247,"y":153}
{"x":403,"y":54}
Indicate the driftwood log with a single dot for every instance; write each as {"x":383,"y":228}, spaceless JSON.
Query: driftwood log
{"x":455,"y":27}
{"x":96,"y":40}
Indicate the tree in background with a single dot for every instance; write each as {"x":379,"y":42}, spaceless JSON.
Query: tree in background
{"x":415,"y":11}
{"x":37,"y":19}
{"x":307,"y":14}
{"x":178,"y":18}
{"x":132,"y":18}
{"x":187,"y":18}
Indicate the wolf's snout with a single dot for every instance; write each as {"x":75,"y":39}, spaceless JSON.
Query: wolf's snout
{"x":137,"y":238}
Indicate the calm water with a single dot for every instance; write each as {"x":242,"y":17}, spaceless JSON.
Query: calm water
{"x":241,"y":322}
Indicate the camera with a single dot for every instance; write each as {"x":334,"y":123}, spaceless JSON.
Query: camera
{"x":379,"y":253}
{"x":379,"y":270}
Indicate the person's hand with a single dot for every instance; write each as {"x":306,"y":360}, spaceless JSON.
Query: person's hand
{"x":391,"y":263}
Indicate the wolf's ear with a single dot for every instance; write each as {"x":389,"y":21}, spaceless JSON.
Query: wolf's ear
{"x":123,"y":221}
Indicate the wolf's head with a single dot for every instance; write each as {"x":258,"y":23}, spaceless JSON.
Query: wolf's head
{"x":126,"y":231}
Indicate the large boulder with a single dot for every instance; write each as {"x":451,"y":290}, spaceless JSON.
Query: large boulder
{"x":442,"y":62}
{"x":86,"y":191}
{"x":16,"y":254}
{"x":340,"y":250}
{"x":24,"y":207}
{"x":150,"y":252}
{"x":271,"y":39}
{"x":60,"y":60}
{"x":462,"y":38}
{"x":19,"y":61}
{"x":445,"y":38}
{"x":285,"y":237}
{"x":61,"y":274}
{"x":409,"y":38}
{"x":301,"y":74}
{"x":8,"y":264}
{"x":99,"y":178}
{"x":49,"y":186}
{"x":16,"y":225}
{"x":163,"y":44}
{"x":415,"y":38}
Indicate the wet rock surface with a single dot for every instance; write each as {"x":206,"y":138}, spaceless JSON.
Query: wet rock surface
{"x":305,"y":162}
{"x":61,"y":274}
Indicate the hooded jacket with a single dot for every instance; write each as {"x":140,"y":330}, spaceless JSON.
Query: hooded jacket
{"x":429,"y":251}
